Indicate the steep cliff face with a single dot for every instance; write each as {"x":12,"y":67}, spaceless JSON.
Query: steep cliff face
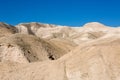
{"x":49,"y":52}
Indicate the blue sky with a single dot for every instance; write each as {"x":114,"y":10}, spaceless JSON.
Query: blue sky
{"x":62,"y":12}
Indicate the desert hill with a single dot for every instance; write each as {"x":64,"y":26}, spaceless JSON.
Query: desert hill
{"x":24,"y":48}
{"x":6,"y":29}
{"x":51,"y":52}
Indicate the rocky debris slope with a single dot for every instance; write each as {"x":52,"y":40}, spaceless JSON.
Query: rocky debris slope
{"x":49,"y":52}
{"x":24,"y":48}
{"x":6,"y":29}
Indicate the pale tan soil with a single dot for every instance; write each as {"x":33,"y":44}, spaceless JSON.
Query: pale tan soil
{"x":91,"y":52}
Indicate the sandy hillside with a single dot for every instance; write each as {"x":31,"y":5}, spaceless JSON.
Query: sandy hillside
{"x":51,"y":52}
{"x":6,"y":29}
